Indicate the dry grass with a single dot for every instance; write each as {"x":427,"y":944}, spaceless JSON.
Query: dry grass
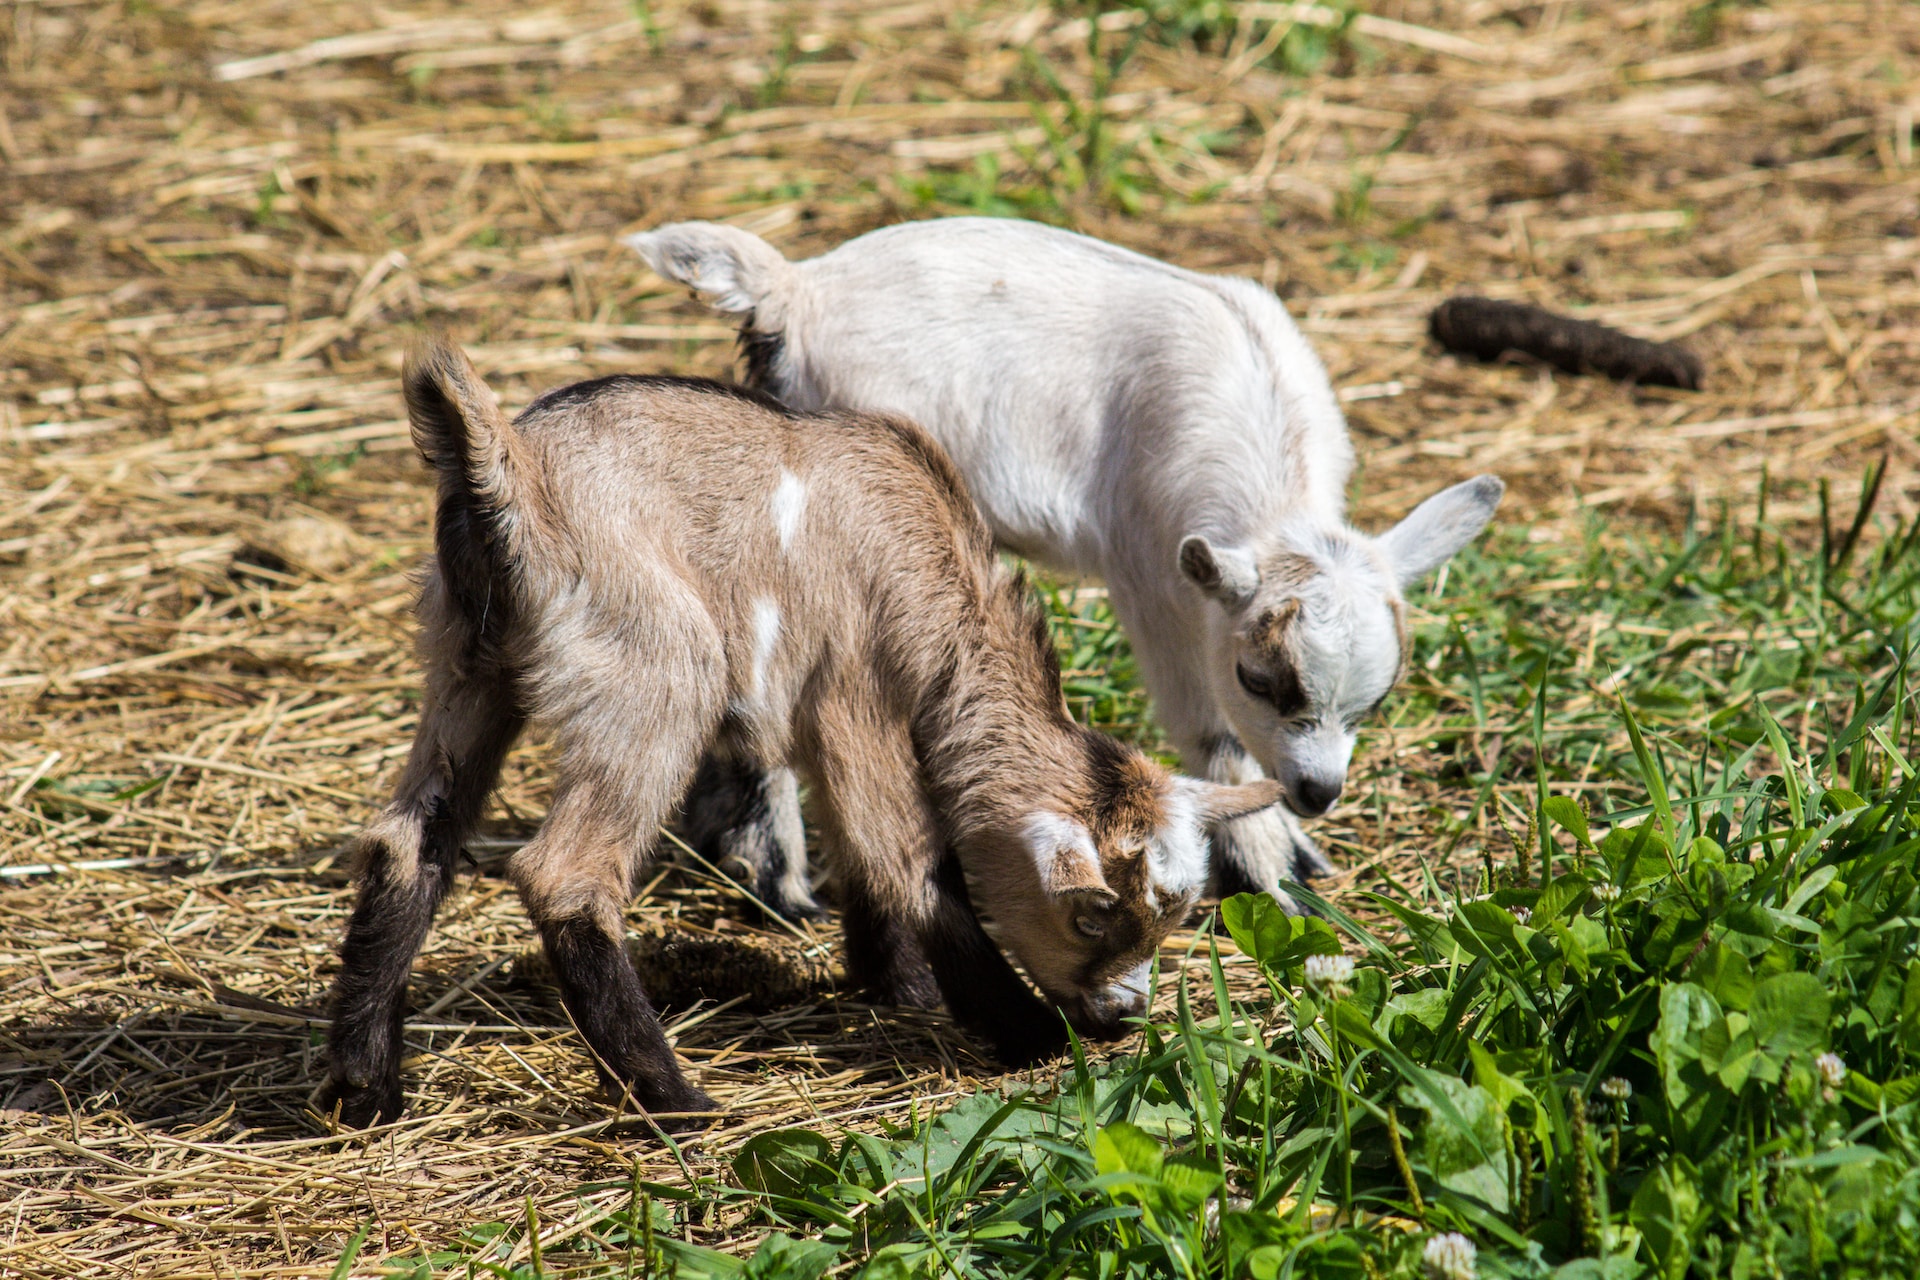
{"x":220,"y":220}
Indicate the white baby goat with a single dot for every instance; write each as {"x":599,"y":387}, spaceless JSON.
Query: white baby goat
{"x":1168,"y":432}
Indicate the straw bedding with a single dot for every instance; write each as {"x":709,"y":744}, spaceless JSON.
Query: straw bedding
{"x":218,"y":222}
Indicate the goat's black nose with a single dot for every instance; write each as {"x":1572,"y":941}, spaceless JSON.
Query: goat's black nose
{"x":1312,"y":797}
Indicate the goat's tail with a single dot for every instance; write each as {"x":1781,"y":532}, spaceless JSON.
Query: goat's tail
{"x":461,"y":433}
{"x":737,"y":271}
{"x":457,"y":425}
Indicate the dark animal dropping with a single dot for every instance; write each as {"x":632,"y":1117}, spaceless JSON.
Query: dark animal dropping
{"x":1487,"y":329}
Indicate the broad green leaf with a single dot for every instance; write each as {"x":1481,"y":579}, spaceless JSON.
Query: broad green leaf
{"x":1790,"y":1012}
{"x":1277,"y":941}
{"x":1504,"y":1089}
{"x":1124,"y":1148}
{"x":1843,"y":800}
{"x":1462,"y":1146}
{"x":1569,"y":817}
{"x":785,"y":1162}
{"x":1686,"y":1012}
{"x":781,"y":1257}
{"x":1634,"y":855}
{"x":892,"y":1263}
{"x":1425,"y":1005}
{"x":1369,"y":992}
{"x":1666,"y":1212}
{"x":969,"y":1124}
{"x":1188,"y":1181}
{"x":1563,"y":895}
{"x":1726,"y":974}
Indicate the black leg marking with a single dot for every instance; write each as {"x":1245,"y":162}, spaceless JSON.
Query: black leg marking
{"x":389,"y":922}
{"x":443,"y":792}
{"x":603,"y":994}
{"x":746,"y":820}
{"x":1229,"y":877}
{"x":883,"y":955}
{"x":983,"y":992}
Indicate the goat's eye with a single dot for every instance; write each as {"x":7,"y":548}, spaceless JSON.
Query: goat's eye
{"x":1088,"y":926}
{"x":1256,"y":685}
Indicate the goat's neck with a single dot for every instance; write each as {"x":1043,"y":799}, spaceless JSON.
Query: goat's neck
{"x":998,"y":745}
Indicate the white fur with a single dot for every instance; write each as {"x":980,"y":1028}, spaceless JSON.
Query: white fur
{"x":1177,"y":860}
{"x":1049,"y":835}
{"x":766,"y":634}
{"x":789,"y":503}
{"x":1104,"y":407}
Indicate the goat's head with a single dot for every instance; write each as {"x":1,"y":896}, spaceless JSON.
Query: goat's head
{"x":1315,"y":633}
{"x":1084,"y":893}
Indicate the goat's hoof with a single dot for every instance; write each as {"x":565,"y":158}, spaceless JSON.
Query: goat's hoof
{"x":905,"y":987}
{"x":795,"y":909}
{"x":661,"y":1111}
{"x":360,"y":1106}
{"x":1309,"y":863}
{"x":1255,"y":853}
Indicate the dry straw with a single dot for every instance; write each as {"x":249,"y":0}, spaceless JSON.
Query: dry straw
{"x":218,"y":221}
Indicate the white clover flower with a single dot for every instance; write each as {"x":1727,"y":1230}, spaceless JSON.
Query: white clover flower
{"x":1331,"y":974}
{"x":1615,"y":1088}
{"x":1522,"y":914}
{"x":1608,"y":893}
{"x":1449,"y":1256}
{"x":1324,"y":971}
{"x":1832,"y":1069}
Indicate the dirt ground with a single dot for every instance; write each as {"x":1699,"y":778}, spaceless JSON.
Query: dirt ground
{"x":219,"y":222}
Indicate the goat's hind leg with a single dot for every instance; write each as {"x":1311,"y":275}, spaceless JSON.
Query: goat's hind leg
{"x":577,"y":873}
{"x":745,"y":818}
{"x":406,"y":866}
{"x":574,"y":878}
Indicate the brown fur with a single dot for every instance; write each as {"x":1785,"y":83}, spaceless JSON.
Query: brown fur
{"x":616,"y":564}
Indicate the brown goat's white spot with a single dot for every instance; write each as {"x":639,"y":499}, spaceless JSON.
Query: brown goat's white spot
{"x":789,"y":502}
{"x":766,"y":634}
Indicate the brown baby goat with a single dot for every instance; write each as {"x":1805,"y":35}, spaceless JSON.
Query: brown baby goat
{"x":652,"y":567}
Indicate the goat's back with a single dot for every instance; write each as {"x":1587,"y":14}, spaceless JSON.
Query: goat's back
{"x":729,"y":480}
{"x":1064,"y":374}
{"x":665,"y":514}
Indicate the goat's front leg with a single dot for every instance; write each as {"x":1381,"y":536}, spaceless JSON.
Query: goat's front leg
{"x":745,"y":818}
{"x":982,"y":990}
{"x":911,"y":933}
{"x":1253,"y":854}
{"x":406,"y":867}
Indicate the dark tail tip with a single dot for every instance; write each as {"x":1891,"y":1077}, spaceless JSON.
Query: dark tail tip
{"x":430,"y":381}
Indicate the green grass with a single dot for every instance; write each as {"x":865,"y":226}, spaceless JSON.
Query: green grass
{"x":1668,"y":1024}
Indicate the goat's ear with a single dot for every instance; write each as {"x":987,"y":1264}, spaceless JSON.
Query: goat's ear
{"x":1228,"y":574}
{"x":1218,"y":802}
{"x":1440,"y":526}
{"x":1064,"y":855}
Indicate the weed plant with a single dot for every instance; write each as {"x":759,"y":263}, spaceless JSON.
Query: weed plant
{"x":1671,"y":1030}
